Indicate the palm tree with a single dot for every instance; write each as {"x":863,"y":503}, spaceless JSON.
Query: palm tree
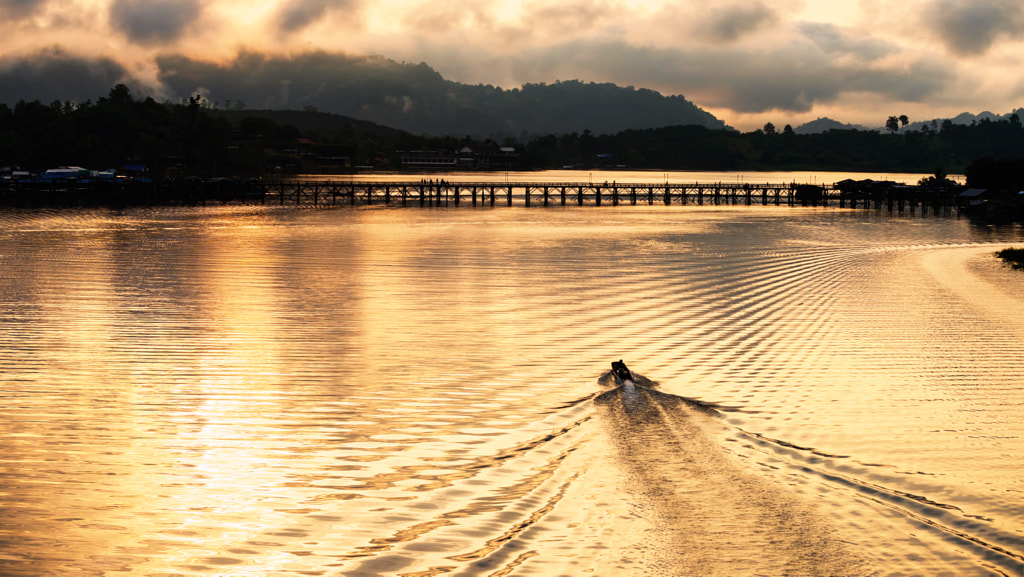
{"x":904,"y":120}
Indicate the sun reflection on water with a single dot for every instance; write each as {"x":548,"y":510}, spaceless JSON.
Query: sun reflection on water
{"x":249,"y":391}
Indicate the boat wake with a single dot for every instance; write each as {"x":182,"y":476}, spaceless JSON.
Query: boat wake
{"x":729,"y":501}
{"x":632,"y":480}
{"x":711,"y":515}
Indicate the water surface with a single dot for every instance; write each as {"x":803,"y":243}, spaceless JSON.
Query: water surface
{"x":374,"y":391}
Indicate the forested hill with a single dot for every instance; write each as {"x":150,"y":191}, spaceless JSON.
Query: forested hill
{"x":197,"y":139}
{"x":417,"y":99}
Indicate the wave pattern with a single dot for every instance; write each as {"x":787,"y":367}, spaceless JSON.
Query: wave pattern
{"x":711,"y":514}
{"x":238,"y":391}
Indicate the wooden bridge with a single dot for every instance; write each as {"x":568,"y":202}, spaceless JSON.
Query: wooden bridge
{"x":439,"y":193}
{"x":444,"y":193}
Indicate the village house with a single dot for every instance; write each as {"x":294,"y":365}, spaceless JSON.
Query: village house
{"x":486,"y":156}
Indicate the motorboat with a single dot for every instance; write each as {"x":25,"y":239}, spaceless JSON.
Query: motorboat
{"x":621,"y":372}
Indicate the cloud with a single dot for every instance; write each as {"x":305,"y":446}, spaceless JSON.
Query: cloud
{"x":18,"y":9}
{"x":295,"y":15}
{"x":568,"y":17}
{"x":154,"y":21}
{"x":787,"y":78}
{"x":730,"y":22}
{"x":834,"y":40}
{"x":972,"y":27}
{"x":277,"y":81}
{"x":53,"y":74}
{"x":434,"y":17}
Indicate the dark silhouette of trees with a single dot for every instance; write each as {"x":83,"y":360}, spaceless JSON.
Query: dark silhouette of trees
{"x":939,"y":179}
{"x":114,"y":131}
{"x":191,"y":137}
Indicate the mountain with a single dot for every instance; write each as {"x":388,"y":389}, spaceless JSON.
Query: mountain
{"x":824,"y":125}
{"x":416,"y":98}
{"x":965,"y":119}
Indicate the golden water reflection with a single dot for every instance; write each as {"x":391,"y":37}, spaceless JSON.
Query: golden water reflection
{"x":255,"y":391}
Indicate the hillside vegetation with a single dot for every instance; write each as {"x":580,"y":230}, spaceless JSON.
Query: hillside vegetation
{"x":196,"y":138}
{"x":416,"y":98}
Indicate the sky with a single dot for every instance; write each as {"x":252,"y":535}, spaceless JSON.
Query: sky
{"x":748,"y":62}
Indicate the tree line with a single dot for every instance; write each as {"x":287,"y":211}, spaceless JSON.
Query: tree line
{"x":114,"y":131}
{"x":191,"y":138}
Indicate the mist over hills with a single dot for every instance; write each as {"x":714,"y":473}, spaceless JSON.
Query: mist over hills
{"x":410,"y":97}
{"x":417,"y":99}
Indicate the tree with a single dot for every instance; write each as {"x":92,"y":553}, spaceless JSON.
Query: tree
{"x":904,"y":121}
{"x":893,"y":124}
{"x":939,"y":179}
{"x":769,"y":128}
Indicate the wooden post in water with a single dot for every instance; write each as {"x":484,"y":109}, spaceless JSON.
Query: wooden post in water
{"x":474,"y":195}
{"x":492,"y":195}
{"x":545,"y":196}
{"x":526,"y":195}
{"x":563,"y":196}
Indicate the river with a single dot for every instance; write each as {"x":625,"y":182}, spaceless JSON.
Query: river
{"x":424,"y":391}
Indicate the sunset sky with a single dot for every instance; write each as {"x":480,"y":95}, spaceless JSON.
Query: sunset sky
{"x":747,"y":62}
